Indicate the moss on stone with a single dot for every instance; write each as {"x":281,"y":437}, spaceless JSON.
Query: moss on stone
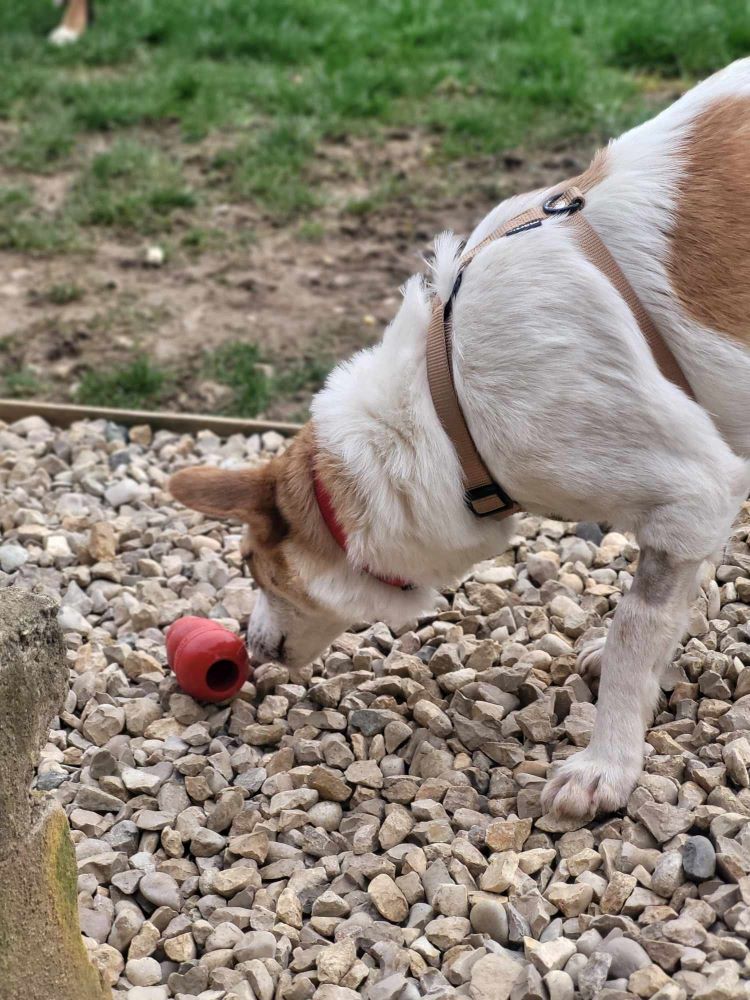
{"x":42,"y":955}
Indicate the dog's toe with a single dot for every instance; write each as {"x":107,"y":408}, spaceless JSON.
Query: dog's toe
{"x":589,"y":662}
{"x":586,"y":785}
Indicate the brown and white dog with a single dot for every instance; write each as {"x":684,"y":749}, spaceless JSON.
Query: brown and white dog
{"x":76,"y":19}
{"x":567,"y":407}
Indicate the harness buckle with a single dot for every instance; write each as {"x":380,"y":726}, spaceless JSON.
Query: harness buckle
{"x":488,"y":500}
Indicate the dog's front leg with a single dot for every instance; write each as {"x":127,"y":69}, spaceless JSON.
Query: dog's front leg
{"x":75,"y":21}
{"x":647,"y":625}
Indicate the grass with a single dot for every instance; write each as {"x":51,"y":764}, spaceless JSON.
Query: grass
{"x":268,"y":167}
{"x":311,"y":231}
{"x":43,"y":142}
{"x":27,"y":228}
{"x":20,"y":384}
{"x":200,"y":238}
{"x":62,"y":294}
{"x":131,"y":187}
{"x":305,"y":376}
{"x":380,"y":195}
{"x":139,"y":384}
{"x":239,"y":366}
{"x":282,"y":78}
{"x":255,"y":383}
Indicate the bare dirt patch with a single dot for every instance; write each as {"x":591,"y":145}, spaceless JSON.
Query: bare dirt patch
{"x":316,"y":287}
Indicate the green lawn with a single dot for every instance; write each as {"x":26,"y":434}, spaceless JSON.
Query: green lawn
{"x":278,"y":78}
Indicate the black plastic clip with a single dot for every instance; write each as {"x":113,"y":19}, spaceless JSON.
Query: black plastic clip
{"x":479,"y":493}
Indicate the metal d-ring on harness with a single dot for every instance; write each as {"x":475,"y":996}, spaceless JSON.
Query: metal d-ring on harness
{"x":484,"y":496}
{"x":553,"y":206}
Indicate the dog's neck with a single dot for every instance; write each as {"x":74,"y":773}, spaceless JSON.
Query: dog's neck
{"x":413,"y":522}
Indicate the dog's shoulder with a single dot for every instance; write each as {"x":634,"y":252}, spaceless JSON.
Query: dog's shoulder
{"x":709,"y":262}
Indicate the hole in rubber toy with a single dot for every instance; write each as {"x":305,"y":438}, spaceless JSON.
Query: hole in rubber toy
{"x":222,"y":675}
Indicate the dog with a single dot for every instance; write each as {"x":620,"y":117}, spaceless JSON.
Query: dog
{"x":76,"y":19}
{"x":365,"y":515}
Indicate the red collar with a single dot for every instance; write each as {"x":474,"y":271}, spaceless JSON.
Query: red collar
{"x":338,"y":533}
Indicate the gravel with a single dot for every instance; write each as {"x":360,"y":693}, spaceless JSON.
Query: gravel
{"x":369,"y":826}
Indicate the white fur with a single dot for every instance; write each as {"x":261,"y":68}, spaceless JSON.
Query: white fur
{"x":570,"y":412}
{"x":62,"y":35}
{"x":444,"y":264}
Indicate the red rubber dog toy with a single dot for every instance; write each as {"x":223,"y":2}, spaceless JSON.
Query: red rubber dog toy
{"x":209,"y":662}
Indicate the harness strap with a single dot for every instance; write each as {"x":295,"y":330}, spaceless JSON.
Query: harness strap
{"x":485,"y":497}
{"x":593,"y":247}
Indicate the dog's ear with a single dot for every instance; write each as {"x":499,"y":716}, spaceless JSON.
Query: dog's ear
{"x":218,"y":492}
{"x":246,"y":494}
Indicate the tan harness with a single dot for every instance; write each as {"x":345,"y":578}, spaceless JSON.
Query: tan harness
{"x":483,"y":495}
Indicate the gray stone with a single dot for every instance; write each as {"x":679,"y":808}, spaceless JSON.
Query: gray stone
{"x":160,"y":889}
{"x":205,"y":843}
{"x":627,"y":956}
{"x":589,"y":942}
{"x":668,"y":874}
{"x":559,"y":985}
{"x":494,"y":976}
{"x":125,"y":926}
{"x":255,"y":944}
{"x":489,"y":917}
{"x":124,"y":491}
{"x":549,"y":955}
{"x":593,"y":975}
{"x":143,"y":971}
{"x":699,"y":859}
{"x":665,"y":821}
{"x":12,"y":557}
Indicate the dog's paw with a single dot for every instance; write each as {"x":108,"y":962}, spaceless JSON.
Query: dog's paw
{"x":63,"y":36}
{"x":588,"y":784}
{"x":589,"y":662}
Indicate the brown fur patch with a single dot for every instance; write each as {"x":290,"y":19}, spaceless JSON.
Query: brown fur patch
{"x":594,"y":173}
{"x":342,"y":487}
{"x":709,"y":264}
{"x":277,"y":504}
{"x":285,"y":505}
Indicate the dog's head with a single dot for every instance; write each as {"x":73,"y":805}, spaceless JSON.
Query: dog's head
{"x":308,"y":591}
{"x":289,"y":623}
